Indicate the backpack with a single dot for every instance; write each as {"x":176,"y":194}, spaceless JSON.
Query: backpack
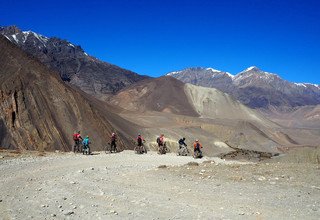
{"x":158,"y":140}
{"x":75,"y":137}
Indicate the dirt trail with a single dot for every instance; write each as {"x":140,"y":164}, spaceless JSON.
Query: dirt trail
{"x":130,"y":186}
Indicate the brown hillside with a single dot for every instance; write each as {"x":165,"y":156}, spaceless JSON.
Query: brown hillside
{"x":38,"y":111}
{"x":164,"y":94}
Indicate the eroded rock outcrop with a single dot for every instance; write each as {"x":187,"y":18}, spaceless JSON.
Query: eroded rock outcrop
{"x":39,"y":112}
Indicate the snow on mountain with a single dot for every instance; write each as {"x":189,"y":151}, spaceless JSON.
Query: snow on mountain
{"x":253,"y":86}
{"x":213,"y":70}
{"x":73,"y":64}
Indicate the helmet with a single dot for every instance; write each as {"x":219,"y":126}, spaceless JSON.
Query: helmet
{"x":79,"y":132}
{"x":113,"y":134}
{"x":87,"y":136}
{"x":197,"y":140}
{"x":183,"y":138}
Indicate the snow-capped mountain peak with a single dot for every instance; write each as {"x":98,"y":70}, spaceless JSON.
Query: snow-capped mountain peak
{"x":173,"y":73}
{"x":251,"y":68}
{"x":253,"y":86}
{"x":213,"y":70}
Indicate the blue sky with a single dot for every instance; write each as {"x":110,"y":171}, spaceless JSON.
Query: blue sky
{"x":154,"y":37}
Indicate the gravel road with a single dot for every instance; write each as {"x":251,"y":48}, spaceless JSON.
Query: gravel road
{"x":130,"y":186}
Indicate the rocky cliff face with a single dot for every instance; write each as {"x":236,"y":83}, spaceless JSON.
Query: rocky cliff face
{"x":39,"y":112}
{"x":73,"y":64}
{"x":254,"y":87}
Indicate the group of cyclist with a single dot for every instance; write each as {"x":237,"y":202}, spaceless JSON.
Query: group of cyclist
{"x":78,"y":140}
{"x":140,"y":148}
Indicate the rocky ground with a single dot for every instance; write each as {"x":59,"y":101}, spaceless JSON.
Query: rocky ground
{"x":130,"y":186}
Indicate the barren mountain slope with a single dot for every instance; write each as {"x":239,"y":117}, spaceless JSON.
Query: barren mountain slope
{"x":253,"y":87}
{"x":91,"y":75}
{"x":299,"y":117}
{"x":164,"y":94}
{"x":212,"y":103}
{"x":38,"y":111}
{"x":221,"y":121}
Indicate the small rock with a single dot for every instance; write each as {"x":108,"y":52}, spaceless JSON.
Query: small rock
{"x":69,"y":213}
{"x":74,"y":207}
{"x":64,"y":198}
{"x":261,"y":178}
{"x":81,"y":171}
{"x":92,"y":168}
{"x":193,"y":164}
{"x":72,"y":182}
{"x":60,"y":206}
{"x":113,"y":212}
{"x":53,"y":215}
{"x":241,"y":213}
{"x":0,"y":200}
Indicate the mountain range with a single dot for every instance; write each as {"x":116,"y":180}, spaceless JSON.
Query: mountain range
{"x":73,"y":64}
{"x":166,"y":105}
{"x":253,"y":87}
{"x":49,"y":88}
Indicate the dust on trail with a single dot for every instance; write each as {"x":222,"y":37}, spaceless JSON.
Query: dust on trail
{"x":130,"y":186}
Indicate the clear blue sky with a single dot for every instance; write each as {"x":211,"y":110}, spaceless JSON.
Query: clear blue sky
{"x":154,"y":37}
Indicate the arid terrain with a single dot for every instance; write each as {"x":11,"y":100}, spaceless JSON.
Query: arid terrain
{"x":258,"y":163}
{"x":130,"y":186}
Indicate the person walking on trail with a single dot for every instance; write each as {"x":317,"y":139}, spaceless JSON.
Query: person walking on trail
{"x":197,"y":148}
{"x":86,"y":145}
{"x":77,"y":138}
{"x":113,"y":143}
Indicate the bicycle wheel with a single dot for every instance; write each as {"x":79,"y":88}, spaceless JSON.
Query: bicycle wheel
{"x":107,"y":149}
